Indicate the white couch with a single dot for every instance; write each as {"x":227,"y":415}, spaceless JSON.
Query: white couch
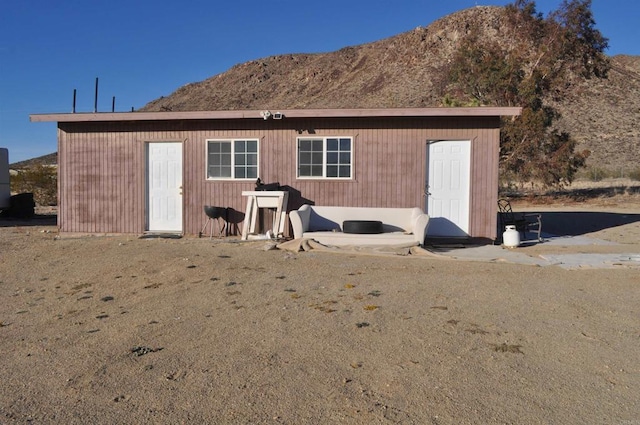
{"x":324,"y":224}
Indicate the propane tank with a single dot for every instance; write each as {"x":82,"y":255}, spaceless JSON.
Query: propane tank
{"x":511,"y":237}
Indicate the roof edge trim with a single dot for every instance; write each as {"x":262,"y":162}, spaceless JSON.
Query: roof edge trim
{"x":480,"y":111}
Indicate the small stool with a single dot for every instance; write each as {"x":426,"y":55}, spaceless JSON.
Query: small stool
{"x":215,"y":213}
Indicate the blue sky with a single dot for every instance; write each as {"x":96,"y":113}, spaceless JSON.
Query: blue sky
{"x":141,"y":50}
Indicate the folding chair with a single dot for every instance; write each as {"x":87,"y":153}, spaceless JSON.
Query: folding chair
{"x":523,"y":222}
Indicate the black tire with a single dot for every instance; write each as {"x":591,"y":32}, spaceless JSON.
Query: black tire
{"x":364,"y":227}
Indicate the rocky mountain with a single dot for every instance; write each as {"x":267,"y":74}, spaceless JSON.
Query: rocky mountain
{"x":405,"y":71}
{"x":604,"y":116}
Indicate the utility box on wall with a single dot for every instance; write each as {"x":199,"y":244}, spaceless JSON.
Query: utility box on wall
{"x":5,"y":189}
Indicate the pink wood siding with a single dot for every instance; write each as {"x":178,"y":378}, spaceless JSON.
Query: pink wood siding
{"x":102,"y":167}
{"x":101,"y":178}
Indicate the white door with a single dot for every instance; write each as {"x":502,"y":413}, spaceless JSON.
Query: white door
{"x":164,"y":187}
{"x":447,"y":187}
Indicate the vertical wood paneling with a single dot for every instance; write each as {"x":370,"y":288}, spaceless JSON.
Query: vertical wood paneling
{"x":102,"y":167}
{"x":62,"y":180}
{"x":484,"y":177}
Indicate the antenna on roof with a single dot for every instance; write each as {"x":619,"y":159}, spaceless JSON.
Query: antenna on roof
{"x":73,"y":110}
{"x":113,"y":104}
{"x":95,"y":102}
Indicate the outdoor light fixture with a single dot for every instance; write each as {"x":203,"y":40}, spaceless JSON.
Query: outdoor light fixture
{"x":275,"y":115}
{"x":265,"y":114}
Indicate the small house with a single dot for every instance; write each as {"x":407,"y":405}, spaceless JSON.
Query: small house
{"x":137,"y":172}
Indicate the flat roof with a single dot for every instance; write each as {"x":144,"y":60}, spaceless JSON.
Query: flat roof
{"x":480,"y":111}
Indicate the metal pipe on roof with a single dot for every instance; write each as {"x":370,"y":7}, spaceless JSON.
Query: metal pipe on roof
{"x":73,"y":110}
{"x":95,"y":102}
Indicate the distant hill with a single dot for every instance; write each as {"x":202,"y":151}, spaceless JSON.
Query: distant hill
{"x":405,"y":71}
{"x":49,"y":159}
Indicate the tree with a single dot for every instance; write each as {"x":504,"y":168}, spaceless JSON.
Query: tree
{"x":536,"y":60}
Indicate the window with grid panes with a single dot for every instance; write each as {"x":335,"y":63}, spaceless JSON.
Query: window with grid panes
{"x":325,"y":157}
{"x":232,"y":159}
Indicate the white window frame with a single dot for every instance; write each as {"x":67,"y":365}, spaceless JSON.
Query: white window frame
{"x":324,"y":157}
{"x":233,"y":158}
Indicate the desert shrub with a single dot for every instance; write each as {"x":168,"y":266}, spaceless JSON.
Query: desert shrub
{"x":635,"y":174}
{"x":596,"y":174}
{"x":41,"y":180}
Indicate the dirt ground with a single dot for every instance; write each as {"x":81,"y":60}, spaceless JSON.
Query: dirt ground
{"x":98,"y":330}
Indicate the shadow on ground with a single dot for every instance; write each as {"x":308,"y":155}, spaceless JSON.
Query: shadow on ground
{"x":559,"y":223}
{"x":575,"y":223}
{"x":36,"y":220}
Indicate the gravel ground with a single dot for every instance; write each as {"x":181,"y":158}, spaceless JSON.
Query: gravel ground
{"x":100,"y":330}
